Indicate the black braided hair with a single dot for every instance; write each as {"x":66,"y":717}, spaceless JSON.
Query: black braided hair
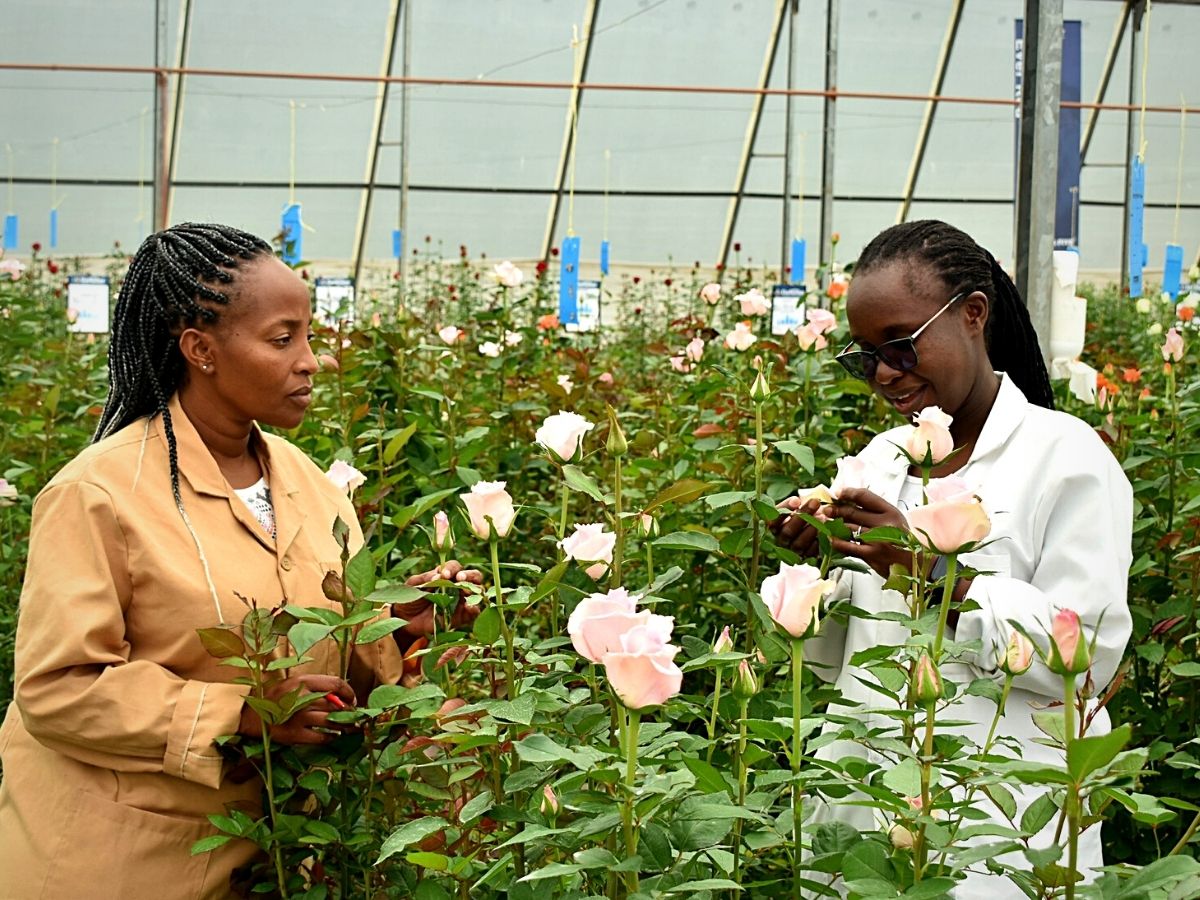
{"x":963,"y":265}
{"x":170,"y":285}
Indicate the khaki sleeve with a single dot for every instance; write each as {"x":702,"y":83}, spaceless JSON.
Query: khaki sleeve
{"x":78,"y":690}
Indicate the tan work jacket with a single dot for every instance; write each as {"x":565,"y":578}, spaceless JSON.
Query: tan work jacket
{"x":109,"y":763}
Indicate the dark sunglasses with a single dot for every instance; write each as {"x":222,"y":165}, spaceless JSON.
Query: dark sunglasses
{"x":900,"y":354}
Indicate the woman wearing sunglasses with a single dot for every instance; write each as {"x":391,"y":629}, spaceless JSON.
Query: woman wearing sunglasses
{"x":935,"y":321}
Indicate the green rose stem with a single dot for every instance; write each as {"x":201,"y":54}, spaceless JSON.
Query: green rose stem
{"x":712,"y":719}
{"x":1072,"y":805}
{"x":1172,"y":441}
{"x":565,"y":496}
{"x":505,"y":632}
{"x":743,"y":776}
{"x":758,"y":393}
{"x":617,"y":446}
{"x":920,"y":851}
{"x":944,"y":611}
{"x":649,"y":560}
{"x":797,"y":749}
{"x":806,"y":395}
{"x":630,"y":833}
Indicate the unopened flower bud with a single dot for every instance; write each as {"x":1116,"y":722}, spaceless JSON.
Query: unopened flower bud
{"x":443,"y":537}
{"x":549,"y":806}
{"x":616,"y":445}
{"x":1069,"y":651}
{"x":901,"y":837}
{"x":760,"y":390}
{"x":745,"y":684}
{"x":1018,"y":656}
{"x":647,"y":525}
{"x":926,"y":683}
{"x":723,"y":643}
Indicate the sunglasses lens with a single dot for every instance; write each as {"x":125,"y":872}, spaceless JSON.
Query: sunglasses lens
{"x":900,"y":355}
{"x":856,"y":362}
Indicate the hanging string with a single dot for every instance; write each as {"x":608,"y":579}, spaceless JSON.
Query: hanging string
{"x":1141,"y":155}
{"x":800,"y":189}
{"x":9,"y":150}
{"x":578,"y":47}
{"x":54,"y":174}
{"x":607,"y":178}
{"x":292,"y":163}
{"x":1179,"y":167}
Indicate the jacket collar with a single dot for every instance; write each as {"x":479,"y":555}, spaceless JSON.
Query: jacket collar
{"x":196,"y":463}
{"x":1006,"y":414}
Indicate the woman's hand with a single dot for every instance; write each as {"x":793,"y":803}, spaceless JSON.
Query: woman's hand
{"x":419,"y":613}
{"x":861,"y":510}
{"x":305,"y":726}
{"x":793,"y":532}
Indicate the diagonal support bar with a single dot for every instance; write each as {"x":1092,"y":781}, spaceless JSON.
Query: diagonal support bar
{"x":568,"y":144}
{"x":756,"y":110}
{"x":939,"y":79}
{"x":1110,"y":60}
{"x":381,"y":92}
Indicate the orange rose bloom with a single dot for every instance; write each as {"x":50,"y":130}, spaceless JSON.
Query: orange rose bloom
{"x":1131,"y":376}
{"x":548,"y":322}
{"x":1186,"y":313}
{"x":836,"y":289}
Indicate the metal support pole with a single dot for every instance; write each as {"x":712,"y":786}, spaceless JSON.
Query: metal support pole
{"x":568,"y":142}
{"x":1131,"y":131}
{"x":939,"y":78}
{"x":381,"y":93}
{"x":785,"y":244}
{"x":756,"y":109}
{"x":181,"y":57}
{"x":1110,"y":59}
{"x":405,"y":121}
{"x":162,"y":118}
{"x":1037,"y":159}
{"x":829,"y":131}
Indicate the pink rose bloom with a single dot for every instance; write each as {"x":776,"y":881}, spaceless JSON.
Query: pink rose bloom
{"x":821,"y":320}
{"x":606,"y":378}
{"x":952,"y":521}
{"x":741,"y":338}
{"x":562,"y":434}
{"x":450,"y":334}
{"x":443,"y":539}
{"x":930,"y":433}
{"x":489,"y":499}
{"x":679,"y":364}
{"x":12,"y":267}
{"x":851,"y":473}
{"x":793,"y":597}
{"x":345,"y":476}
{"x":810,"y":338}
{"x":512,"y":338}
{"x":508,"y":274}
{"x":597,"y":623}
{"x":710,"y":293}
{"x":694,"y":350}
{"x":591,"y":544}
{"x":753,"y":303}
{"x":1069,"y":651}
{"x":1172,"y":348}
{"x":643,"y":672}
{"x":1018,"y":655}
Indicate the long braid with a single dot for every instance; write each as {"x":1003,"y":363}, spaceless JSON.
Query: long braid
{"x":952,"y":254}
{"x":169,"y":286}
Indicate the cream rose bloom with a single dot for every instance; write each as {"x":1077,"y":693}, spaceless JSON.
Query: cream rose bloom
{"x":592,"y":545}
{"x":489,"y":499}
{"x":562,"y":434}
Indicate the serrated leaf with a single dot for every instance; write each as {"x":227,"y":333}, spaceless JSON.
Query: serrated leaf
{"x":1038,"y":813}
{"x":1090,"y":754}
{"x":706,"y":884}
{"x":904,"y":778}
{"x":409,"y":833}
{"x":210,"y":843}
{"x":396,"y":593}
{"x":475,"y":807}
{"x":305,"y":635}
{"x":683,"y":491}
{"x":221,"y":642}
{"x":688,"y":540}
{"x":360,"y":573}
{"x":519,"y":711}
{"x":378,"y":629}
{"x":549,"y":581}
{"x":487,"y":626}
{"x":797,"y":451}
{"x":579,"y":481}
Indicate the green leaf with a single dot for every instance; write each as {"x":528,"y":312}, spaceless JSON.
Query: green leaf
{"x":904,"y":778}
{"x":438,"y":862}
{"x":797,"y":451}
{"x":549,"y":582}
{"x":210,"y":843}
{"x":519,"y":711}
{"x":409,"y":833}
{"x":475,"y":807}
{"x":396,"y":444}
{"x":1087,"y":755}
{"x":1158,"y":874}
{"x":378,"y":629}
{"x":577,"y":480}
{"x":396,"y":593}
{"x":387,"y":696}
{"x":221,"y":642}
{"x":360,"y":573}
{"x":305,"y":635}
{"x":708,"y":777}
{"x":867,"y":860}
{"x":487,"y":626}
{"x":554,"y":870}
{"x":1186,"y":669}
{"x":688,"y":540}
{"x":728,"y":498}
{"x":683,"y":491}
{"x":1038,"y":813}
{"x":706,"y":884}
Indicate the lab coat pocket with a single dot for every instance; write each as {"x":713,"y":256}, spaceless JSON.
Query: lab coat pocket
{"x":144,"y":853}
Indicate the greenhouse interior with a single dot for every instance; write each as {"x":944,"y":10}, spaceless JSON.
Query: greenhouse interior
{"x":600,"y":448}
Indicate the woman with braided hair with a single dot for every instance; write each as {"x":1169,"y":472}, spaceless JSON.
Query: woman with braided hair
{"x":179,"y":509}
{"x":935,"y":321}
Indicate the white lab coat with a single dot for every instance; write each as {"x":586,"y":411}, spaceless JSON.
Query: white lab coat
{"x":1062,"y":512}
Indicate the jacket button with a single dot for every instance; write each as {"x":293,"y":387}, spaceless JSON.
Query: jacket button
{"x":286,"y":563}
